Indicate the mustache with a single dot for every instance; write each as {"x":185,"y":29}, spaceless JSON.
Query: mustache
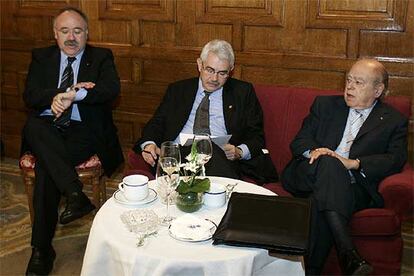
{"x":71,"y":43}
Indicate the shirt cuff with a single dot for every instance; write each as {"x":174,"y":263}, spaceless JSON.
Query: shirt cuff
{"x":306,"y":154}
{"x":245,"y":152}
{"x":81,"y":94}
{"x":143,"y":145}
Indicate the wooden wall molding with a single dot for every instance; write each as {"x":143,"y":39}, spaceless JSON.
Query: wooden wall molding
{"x":300,"y":43}
{"x":361,"y":15}
{"x":156,"y":10}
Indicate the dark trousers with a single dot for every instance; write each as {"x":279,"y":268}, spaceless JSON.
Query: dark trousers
{"x":328,"y":184}
{"x":57,"y":153}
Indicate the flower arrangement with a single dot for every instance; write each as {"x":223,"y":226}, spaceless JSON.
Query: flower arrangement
{"x":191,"y":183}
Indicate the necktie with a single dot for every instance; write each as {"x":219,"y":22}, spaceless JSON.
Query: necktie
{"x":356,"y":122}
{"x":202,"y":118}
{"x":67,"y":80}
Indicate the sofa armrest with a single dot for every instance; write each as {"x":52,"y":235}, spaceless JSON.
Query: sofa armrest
{"x":137,"y":163}
{"x":398,"y":193}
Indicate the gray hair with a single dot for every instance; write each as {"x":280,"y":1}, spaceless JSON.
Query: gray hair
{"x":221,"y":48}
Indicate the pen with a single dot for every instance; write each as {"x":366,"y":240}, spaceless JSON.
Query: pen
{"x":147,"y":151}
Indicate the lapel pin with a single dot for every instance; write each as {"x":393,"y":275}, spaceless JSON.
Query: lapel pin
{"x":230,"y":106}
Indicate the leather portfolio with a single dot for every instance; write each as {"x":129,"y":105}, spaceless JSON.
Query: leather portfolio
{"x":278,"y":224}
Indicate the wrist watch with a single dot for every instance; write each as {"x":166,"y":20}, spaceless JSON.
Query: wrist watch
{"x":72,"y":87}
{"x":240,"y":152}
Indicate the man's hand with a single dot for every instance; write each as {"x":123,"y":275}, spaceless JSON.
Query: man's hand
{"x":150,"y":154}
{"x":62,"y":101}
{"x":349,"y":164}
{"x":86,"y":85}
{"x":232,"y":152}
{"x":316,"y":153}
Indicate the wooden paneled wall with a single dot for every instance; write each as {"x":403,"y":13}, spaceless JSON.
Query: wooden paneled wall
{"x":303,"y":43}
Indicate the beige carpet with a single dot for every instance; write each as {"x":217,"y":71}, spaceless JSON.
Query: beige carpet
{"x":15,"y":230}
{"x":70,"y":240}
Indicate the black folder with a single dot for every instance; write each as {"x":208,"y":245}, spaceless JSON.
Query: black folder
{"x":278,"y":224}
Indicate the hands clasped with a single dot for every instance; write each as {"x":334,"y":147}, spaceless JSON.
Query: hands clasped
{"x":63,"y":100}
{"x":350,"y":164}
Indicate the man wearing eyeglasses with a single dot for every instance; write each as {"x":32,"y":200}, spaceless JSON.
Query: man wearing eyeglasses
{"x":70,"y":87}
{"x":233,"y":109}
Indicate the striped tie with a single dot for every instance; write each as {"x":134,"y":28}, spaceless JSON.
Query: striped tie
{"x":67,"y":81}
{"x":356,"y":122}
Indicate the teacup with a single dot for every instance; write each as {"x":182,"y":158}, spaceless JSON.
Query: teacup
{"x":216,"y":196}
{"x":134,"y":187}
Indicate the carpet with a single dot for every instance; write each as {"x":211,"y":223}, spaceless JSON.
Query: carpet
{"x":15,"y":228}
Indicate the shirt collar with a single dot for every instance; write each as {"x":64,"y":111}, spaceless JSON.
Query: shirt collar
{"x":64,"y":57}
{"x":365,"y":112}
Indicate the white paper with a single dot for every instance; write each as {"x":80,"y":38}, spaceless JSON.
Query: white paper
{"x":187,"y":139}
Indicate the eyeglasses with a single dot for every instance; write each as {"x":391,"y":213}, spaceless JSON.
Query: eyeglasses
{"x":75,"y":31}
{"x":210,"y":71}
{"x":356,"y":81}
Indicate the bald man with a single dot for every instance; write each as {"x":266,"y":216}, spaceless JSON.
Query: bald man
{"x":346,"y":146}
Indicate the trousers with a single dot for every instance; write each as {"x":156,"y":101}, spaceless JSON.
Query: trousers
{"x":57,"y":153}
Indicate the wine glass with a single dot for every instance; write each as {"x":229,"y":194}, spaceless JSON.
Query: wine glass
{"x":202,"y":143}
{"x":171,"y":168}
{"x":170,"y":149}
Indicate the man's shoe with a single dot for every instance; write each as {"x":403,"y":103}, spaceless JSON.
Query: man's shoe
{"x":353,"y":264}
{"x":41,"y":261}
{"x":77,"y":205}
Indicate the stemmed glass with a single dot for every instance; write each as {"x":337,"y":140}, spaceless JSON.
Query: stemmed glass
{"x":204,"y":150}
{"x":171,"y":167}
{"x":170,"y":149}
{"x":168,"y":174}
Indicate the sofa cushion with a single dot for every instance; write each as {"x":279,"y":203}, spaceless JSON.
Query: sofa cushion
{"x":375,"y":222}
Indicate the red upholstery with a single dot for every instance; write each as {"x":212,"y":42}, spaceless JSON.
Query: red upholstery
{"x":376,"y":232}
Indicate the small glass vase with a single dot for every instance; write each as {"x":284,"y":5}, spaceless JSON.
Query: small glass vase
{"x":189,"y":202}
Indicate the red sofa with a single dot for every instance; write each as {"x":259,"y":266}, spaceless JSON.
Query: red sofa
{"x":376,"y":232}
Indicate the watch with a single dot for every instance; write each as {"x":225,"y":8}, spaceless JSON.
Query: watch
{"x":72,"y":87}
{"x":241,"y":152}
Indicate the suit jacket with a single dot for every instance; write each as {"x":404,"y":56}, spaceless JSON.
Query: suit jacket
{"x":97,"y":65}
{"x":243,"y":114}
{"x":380,"y":145}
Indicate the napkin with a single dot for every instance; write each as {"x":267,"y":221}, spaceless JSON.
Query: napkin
{"x":191,"y":227}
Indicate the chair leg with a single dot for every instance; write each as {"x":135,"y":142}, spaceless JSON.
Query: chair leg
{"x":96,"y":197}
{"x":28,"y":184}
{"x":102,"y":184}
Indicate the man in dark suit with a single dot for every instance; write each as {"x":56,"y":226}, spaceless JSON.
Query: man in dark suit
{"x":233,"y":109}
{"x":70,"y":87}
{"x":345,"y":147}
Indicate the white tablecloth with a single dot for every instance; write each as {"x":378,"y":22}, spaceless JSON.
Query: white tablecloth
{"x":112,"y":250}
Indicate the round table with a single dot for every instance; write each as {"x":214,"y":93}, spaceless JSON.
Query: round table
{"x":112,"y":250}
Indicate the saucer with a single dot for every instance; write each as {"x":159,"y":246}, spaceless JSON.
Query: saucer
{"x":120,"y":198}
{"x":190,"y":228}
